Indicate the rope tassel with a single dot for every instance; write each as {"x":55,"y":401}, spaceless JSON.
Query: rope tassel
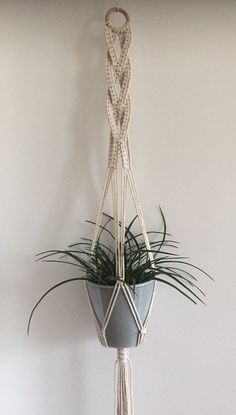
{"x":123,"y":383}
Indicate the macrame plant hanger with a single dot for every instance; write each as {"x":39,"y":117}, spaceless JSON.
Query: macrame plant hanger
{"x":119,"y":179}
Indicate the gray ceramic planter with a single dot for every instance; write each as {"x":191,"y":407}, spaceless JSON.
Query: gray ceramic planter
{"x":122,"y":330}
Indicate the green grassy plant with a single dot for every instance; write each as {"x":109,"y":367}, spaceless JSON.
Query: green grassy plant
{"x":99,"y":266}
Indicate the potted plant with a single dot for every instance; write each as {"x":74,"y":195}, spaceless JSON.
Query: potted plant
{"x":121,"y":267}
{"x":98,"y":267}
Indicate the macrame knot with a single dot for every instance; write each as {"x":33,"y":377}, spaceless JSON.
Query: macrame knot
{"x":143,"y":331}
{"x":118,"y":30}
{"x":103,"y":337}
{"x":123,"y":355}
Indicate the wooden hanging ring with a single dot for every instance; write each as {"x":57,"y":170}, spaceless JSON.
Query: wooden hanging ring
{"x":117,"y":9}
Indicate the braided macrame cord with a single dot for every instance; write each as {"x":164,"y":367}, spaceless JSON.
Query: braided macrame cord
{"x":119,"y":179}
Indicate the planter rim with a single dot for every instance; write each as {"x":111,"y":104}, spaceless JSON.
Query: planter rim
{"x":112,"y":286}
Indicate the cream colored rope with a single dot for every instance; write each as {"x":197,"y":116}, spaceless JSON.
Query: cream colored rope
{"x":119,"y":175}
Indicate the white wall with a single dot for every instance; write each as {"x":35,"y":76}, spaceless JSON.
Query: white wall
{"x":54,"y":139}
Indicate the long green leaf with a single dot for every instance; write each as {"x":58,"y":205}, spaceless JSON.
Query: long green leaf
{"x":176,"y":288}
{"x":46,"y":293}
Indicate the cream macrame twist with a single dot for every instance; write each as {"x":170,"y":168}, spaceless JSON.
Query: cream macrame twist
{"x":118,"y":102}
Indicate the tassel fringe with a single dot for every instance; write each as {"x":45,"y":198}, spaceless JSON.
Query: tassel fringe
{"x":123,"y":383}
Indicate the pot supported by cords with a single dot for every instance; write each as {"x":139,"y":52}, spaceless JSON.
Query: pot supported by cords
{"x":120,"y":177}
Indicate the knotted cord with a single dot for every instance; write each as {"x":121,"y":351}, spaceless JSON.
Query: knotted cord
{"x":119,"y":177}
{"x":118,"y":74}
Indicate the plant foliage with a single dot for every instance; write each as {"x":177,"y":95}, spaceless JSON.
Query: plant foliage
{"x":99,"y":266}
